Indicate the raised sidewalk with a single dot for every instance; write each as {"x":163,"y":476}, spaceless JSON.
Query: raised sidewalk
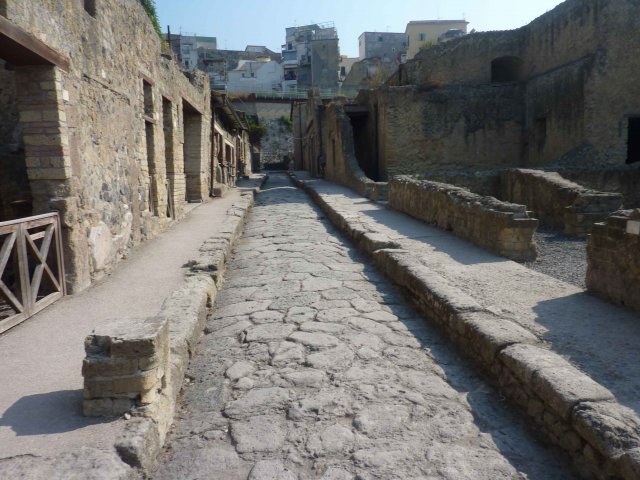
{"x":568,"y":359}
{"x":42,"y":429}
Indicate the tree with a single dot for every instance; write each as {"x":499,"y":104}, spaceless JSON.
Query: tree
{"x":150,"y":7}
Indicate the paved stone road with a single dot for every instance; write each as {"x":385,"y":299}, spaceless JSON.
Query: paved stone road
{"x":314,"y":367}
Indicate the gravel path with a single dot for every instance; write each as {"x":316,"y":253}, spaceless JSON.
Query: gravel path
{"x":314,"y":367}
{"x":560,"y":256}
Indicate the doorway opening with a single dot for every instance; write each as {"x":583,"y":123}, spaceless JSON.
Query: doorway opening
{"x":633,"y":140}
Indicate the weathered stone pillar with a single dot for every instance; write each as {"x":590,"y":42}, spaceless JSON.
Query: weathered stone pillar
{"x":41,"y":104}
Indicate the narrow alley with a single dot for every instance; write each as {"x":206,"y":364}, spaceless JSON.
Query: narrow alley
{"x":313,"y":366}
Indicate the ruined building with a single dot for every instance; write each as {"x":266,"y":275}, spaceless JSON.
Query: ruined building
{"x":545,"y":116}
{"x":98,"y":125}
{"x":559,"y":93}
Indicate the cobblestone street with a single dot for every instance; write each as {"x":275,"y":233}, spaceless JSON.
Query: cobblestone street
{"x":313,"y":366}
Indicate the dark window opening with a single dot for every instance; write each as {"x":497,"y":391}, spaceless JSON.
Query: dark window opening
{"x":152,"y":196}
{"x":506,"y":69}
{"x":167,"y":127}
{"x":540,"y":132}
{"x":633,"y":141}
{"x":90,"y":7}
{"x":148,"y":98}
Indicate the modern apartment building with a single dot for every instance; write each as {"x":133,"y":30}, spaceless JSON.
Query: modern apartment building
{"x":423,"y":32}
{"x":383,"y":45}
{"x":311,"y":57}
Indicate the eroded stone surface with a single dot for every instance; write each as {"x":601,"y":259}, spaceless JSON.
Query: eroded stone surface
{"x":333,"y":376}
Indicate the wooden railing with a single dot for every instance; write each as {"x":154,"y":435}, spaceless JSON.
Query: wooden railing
{"x":31,"y":267}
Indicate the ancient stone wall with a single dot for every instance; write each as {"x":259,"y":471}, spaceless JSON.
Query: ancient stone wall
{"x":417,"y":131}
{"x":624,"y":180}
{"x":327,"y":148}
{"x":576,"y":66}
{"x":105,"y":138}
{"x":503,"y":228}
{"x":342,"y":164}
{"x":613,"y":259}
{"x":558,"y":202}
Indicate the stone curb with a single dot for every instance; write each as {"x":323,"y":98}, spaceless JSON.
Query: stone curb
{"x":186,"y":309}
{"x":573,"y":411}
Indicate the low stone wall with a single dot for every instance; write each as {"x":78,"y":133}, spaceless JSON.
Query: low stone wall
{"x":558,"y":202}
{"x":576,"y":413}
{"x":622,"y":179}
{"x":143,"y":375}
{"x":613,"y":259}
{"x":503,"y":228}
{"x":483,"y":182}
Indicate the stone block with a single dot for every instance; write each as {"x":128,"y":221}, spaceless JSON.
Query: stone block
{"x":130,"y":385}
{"x":101,"y":407}
{"x":100,"y":366}
{"x":28,"y":116}
{"x":524,"y":360}
{"x":562,"y":388}
{"x":488,"y":334}
{"x":49,"y":173}
{"x":131,"y":338}
{"x":608,"y":427}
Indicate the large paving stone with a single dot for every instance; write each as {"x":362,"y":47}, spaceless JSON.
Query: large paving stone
{"x":271,"y":470}
{"x":315,"y":340}
{"x":260,"y":434}
{"x":333,"y":359}
{"x":269,"y":332}
{"x":258,"y":401}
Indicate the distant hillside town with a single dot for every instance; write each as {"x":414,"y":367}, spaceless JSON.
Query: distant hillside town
{"x":310,"y":57}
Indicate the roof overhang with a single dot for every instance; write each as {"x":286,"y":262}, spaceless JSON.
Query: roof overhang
{"x":220,"y":102}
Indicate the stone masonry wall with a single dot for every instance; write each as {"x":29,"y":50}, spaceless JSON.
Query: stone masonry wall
{"x":613,"y":259}
{"x":624,"y":180}
{"x":504,"y":228}
{"x":467,"y":127}
{"x":341,"y":162}
{"x":96,"y":135}
{"x":558,"y":202}
{"x":578,"y":65}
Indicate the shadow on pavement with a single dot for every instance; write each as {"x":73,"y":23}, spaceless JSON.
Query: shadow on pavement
{"x":47,"y":413}
{"x":610,"y":335}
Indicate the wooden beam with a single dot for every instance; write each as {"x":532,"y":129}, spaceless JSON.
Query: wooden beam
{"x":21,"y":48}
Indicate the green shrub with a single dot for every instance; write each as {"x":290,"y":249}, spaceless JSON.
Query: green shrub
{"x":286,"y":121}
{"x":150,"y":7}
{"x":256,"y":131}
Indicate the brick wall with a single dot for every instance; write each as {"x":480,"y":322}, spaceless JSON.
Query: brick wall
{"x":613,"y":256}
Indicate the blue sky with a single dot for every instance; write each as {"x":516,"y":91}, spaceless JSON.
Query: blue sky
{"x":238,"y":23}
